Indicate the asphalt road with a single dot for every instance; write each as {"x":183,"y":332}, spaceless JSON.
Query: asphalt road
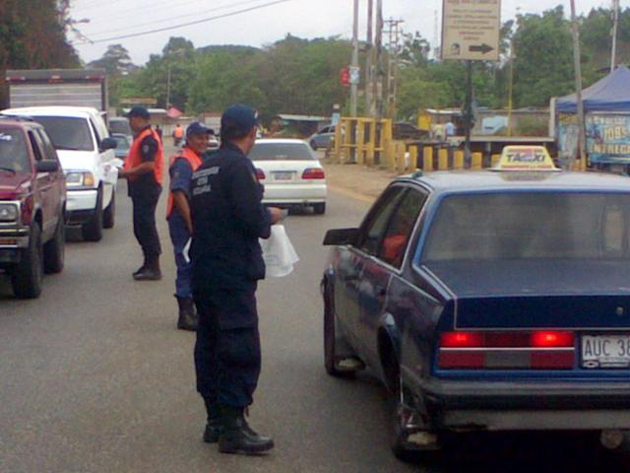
{"x":94,"y":377}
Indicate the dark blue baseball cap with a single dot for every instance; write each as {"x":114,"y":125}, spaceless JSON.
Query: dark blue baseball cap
{"x":240,"y":118}
{"x":139,"y":111}
{"x":197,"y":128}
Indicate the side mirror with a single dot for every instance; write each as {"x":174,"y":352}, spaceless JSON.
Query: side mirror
{"x":108,"y":143}
{"x":342,"y":236}
{"x":47,"y":166}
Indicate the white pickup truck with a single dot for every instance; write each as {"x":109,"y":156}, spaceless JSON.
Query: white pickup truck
{"x":86,"y":152}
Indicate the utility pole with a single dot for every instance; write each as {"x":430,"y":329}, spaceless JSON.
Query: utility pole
{"x":354,"y":87}
{"x":392,"y":69}
{"x":613,"y":55}
{"x":578,"y":87}
{"x":378,"y":63}
{"x":369,"y":69}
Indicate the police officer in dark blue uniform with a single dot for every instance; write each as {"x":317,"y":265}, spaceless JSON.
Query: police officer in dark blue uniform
{"x":228,"y":219}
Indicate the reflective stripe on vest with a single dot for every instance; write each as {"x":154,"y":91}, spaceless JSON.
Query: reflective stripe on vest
{"x":194,"y":160}
{"x":134,"y":157}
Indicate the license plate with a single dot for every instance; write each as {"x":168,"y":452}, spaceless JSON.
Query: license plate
{"x":605,"y":351}
{"x":283,"y":175}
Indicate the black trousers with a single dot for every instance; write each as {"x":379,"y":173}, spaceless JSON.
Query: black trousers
{"x":227,"y":352}
{"x":144,"y":227}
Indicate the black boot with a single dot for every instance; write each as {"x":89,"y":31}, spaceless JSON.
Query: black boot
{"x":238,"y":437}
{"x":151,"y":271}
{"x":141,"y":268}
{"x":187,"y":315}
{"x":214,"y":425}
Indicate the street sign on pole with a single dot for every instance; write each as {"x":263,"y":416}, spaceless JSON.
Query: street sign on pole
{"x":470,"y":29}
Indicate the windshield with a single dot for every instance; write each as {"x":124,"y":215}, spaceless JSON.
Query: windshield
{"x":530,"y":226}
{"x":13,"y":152}
{"x":119,"y":126}
{"x":281,"y":152}
{"x":121,"y":142}
{"x":68,"y":133}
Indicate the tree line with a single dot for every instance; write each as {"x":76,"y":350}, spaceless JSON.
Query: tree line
{"x":301,"y":76}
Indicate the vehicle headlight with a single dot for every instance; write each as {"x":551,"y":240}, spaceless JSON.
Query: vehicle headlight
{"x":8,"y":212}
{"x":80,"y":179}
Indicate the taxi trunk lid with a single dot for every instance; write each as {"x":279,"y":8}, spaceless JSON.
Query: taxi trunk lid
{"x":538,"y":294}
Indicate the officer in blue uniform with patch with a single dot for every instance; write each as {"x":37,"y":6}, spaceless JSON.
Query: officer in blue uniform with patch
{"x":228,"y":219}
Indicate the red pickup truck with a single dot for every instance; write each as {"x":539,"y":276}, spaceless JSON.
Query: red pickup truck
{"x":32,"y":205}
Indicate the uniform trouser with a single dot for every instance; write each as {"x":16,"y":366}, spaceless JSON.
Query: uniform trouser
{"x":180,"y":236}
{"x":144,"y":227}
{"x":227,"y":352}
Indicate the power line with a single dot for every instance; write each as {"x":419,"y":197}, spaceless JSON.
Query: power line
{"x":182,"y":25}
{"x":164,"y":20}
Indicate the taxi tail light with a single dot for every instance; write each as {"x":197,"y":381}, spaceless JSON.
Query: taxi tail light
{"x":313,"y":173}
{"x":539,"y":349}
{"x":260,"y":174}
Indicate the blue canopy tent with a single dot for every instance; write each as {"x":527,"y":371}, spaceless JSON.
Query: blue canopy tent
{"x":610,"y":94}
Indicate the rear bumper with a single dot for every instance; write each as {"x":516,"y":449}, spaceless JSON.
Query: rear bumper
{"x":305,"y":194}
{"x":525,"y":405}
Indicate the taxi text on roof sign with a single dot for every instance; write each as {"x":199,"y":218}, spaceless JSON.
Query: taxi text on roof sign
{"x":525,"y":158}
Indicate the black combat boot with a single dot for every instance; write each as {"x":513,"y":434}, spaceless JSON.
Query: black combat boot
{"x":214,"y":425}
{"x":151,"y":271}
{"x":187,"y":316}
{"x":238,"y":437}
{"x":141,"y":268}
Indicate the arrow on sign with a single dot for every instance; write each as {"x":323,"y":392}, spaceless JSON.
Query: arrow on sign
{"x":483,"y":48}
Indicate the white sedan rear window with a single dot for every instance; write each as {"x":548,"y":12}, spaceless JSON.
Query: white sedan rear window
{"x":281,"y":152}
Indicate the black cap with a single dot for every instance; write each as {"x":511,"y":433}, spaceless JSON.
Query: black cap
{"x":240,"y":118}
{"x":139,"y":111}
{"x":197,"y":128}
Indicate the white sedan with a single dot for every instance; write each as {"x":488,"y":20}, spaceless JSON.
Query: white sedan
{"x":291,"y":174}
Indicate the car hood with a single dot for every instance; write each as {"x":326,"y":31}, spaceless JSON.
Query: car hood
{"x":12,"y":185}
{"x":533,"y":278}
{"x":79,"y":160}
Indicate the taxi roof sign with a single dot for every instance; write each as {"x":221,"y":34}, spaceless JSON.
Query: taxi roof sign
{"x":525,"y":158}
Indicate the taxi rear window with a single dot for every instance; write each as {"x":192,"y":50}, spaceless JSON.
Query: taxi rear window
{"x":567,"y":225}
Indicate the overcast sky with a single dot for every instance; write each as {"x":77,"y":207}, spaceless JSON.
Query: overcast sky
{"x":303,"y":18}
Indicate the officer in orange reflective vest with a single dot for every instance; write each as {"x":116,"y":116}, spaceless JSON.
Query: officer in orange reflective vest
{"x":181,"y":169}
{"x":143,"y":171}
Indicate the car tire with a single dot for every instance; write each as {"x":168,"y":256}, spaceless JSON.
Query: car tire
{"x":313,"y":145}
{"x":330,"y":341}
{"x":109,"y":216}
{"x":319,"y":209}
{"x":28,"y":275}
{"x":55,"y":249}
{"x":93,"y":229}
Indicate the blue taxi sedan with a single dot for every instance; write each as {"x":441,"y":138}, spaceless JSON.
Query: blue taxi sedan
{"x":488,"y":301}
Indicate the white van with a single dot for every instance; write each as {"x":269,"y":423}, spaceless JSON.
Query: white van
{"x":86,"y":152}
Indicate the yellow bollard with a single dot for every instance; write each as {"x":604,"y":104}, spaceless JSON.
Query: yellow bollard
{"x":427,"y":159}
{"x":413,"y":158}
{"x":337,"y":143}
{"x":443,"y":159}
{"x":495,"y":159}
{"x":458,"y":160}
{"x":391,"y":156}
{"x":371,"y":144}
{"x":360,"y":142}
{"x":477,"y":159}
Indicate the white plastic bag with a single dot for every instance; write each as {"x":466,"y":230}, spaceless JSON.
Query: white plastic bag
{"x":278,"y":253}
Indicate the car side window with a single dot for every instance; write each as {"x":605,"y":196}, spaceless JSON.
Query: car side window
{"x":374,"y":227}
{"x":50,"y":154}
{"x":394,"y":244}
{"x":37,"y":145}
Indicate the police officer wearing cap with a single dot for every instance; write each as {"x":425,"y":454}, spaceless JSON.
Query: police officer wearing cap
{"x":228,"y":219}
{"x":181,"y":169}
{"x":143,"y":171}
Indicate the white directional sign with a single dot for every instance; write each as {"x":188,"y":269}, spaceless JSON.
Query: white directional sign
{"x":470,"y":29}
